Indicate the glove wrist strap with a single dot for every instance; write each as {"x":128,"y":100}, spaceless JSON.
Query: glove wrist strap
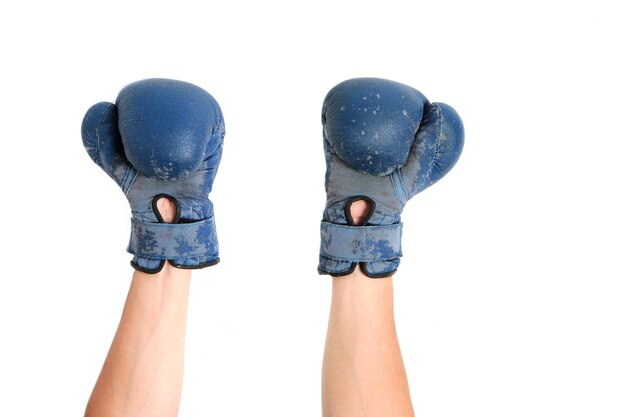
{"x":173,"y":240}
{"x":361,"y":243}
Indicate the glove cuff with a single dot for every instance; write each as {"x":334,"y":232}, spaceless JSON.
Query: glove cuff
{"x":343,"y":246}
{"x":185,"y":245}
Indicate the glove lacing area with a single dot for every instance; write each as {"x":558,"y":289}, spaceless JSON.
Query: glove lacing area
{"x":188,"y":244}
{"x":377,"y":248}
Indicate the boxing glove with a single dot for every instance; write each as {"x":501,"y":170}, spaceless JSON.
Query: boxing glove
{"x":384,"y":142}
{"x":162,"y":138}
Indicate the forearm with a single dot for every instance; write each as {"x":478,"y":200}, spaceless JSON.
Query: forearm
{"x":142,"y":374}
{"x":361,"y":310}
{"x":363,"y":373}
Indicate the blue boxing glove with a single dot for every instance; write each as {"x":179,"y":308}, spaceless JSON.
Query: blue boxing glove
{"x":162,"y":138}
{"x":384,"y":143}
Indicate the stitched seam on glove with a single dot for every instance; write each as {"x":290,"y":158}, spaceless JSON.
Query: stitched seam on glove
{"x":436,"y":157}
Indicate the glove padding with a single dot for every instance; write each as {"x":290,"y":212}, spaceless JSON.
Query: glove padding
{"x":384,"y":143}
{"x":162,"y":138}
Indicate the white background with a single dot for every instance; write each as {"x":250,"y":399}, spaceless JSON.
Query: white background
{"x":510,"y":299}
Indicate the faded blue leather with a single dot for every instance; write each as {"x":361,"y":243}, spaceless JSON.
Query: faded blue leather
{"x":162,"y":138}
{"x":163,"y":241}
{"x":367,"y":244}
{"x":383,"y":142}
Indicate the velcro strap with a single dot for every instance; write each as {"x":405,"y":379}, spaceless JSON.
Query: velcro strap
{"x":171,"y":241}
{"x":361,"y":243}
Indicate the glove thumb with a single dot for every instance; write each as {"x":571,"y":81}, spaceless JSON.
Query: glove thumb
{"x":102,"y":140}
{"x":436,"y":149}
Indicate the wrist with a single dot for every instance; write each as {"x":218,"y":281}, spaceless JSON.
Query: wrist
{"x":361,"y":297}
{"x":168,"y":279}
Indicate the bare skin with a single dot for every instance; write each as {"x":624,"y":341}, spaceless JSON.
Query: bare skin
{"x":363,"y":373}
{"x":143,"y":372}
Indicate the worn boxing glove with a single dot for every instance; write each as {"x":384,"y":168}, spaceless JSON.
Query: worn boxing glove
{"x":162,"y":138}
{"x":384,"y":143}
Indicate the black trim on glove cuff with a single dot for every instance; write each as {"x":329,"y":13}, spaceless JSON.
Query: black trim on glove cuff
{"x":146,"y":270}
